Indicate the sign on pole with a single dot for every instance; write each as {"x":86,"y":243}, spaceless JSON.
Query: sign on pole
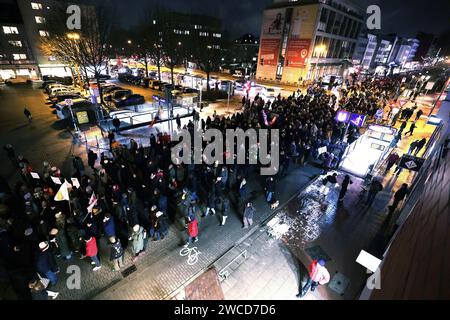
{"x":411,"y":163}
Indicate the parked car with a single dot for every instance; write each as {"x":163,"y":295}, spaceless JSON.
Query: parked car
{"x":117,"y":94}
{"x":239,"y":84}
{"x":18,"y":80}
{"x":64,"y":80}
{"x":129,"y":100}
{"x":110,"y":89}
{"x":49,"y":87}
{"x":189,"y":90}
{"x":59,"y":90}
{"x":62,"y":96}
{"x":62,"y":109}
{"x":48,"y":82}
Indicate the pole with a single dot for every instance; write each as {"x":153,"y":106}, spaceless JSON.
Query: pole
{"x":73,"y":118}
{"x":228,"y":101}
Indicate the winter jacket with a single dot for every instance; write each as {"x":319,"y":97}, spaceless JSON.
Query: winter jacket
{"x":116,"y":250}
{"x":63,"y":243}
{"x":318,"y":273}
{"x":249,"y":212}
{"x":110,"y":228}
{"x":91,"y":247}
{"x":138,"y":240}
{"x":193,"y":228}
{"x":45,"y":262}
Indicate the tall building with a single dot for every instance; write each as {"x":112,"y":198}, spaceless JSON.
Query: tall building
{"x":365,"y":50}
{"x":23,"y":24}
{"x":245,"y":51}
{"x":426,"y":42}
{"x":308,"y":39}
{"x":16,"y":54}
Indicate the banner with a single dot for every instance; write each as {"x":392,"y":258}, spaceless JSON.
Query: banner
{"x":271,"y":32}
{"x":297,"y":53}
{"x":270,"y":50}
{"x":63,"y":193}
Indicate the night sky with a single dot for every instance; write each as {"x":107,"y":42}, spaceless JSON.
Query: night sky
{"x":404,"y":17}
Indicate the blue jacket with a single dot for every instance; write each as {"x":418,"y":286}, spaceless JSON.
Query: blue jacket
{"x":162,"y":203}
{"x":45,"y":262}
{"x":110,"y":228}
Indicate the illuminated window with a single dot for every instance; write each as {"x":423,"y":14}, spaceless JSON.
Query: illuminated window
{"x":43,"y":33}
{"x":198,"y":27}
{"x":19,"y":56}
{"x":15,"y":43}
{"x":10,"y":30}
{"x":36,"y":6}
{"x":204,"y":34}
{"x":217,"y":35}
{"x":39,"y":19}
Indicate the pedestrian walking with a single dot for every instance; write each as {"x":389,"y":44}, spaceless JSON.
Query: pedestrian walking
{"x":92,"y":252}
{"x":317,"y":275}
{"x":178,"y":122}
{"x":27,"y":114}
{"x":402,"y":127}
{"x":391,"y":160}
{"x":419,"y":113}
{"x":420,"y":145}
{"x":344,"y":187}
{"x":11,"y":154}
{"x":399,"y":196}
{"x":411,"y":129}
{"x":375,"y":187}
{"x":412,"y":146}
{"x":249,"y":213}
{"x":225,"y":210}
{"x":192,"y":230}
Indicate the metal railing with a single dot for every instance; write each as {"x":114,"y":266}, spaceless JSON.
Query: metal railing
{"x":225,"y":272}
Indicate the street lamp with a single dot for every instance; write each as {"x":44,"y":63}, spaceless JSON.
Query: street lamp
{"x":129,"y":41}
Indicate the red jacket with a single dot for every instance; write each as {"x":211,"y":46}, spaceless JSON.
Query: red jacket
{"x":91,"y":247}
{"x":193,"y":228}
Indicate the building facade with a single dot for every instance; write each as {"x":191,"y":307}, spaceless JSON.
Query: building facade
{"x":308,"y":39}
{"x":23,"y":24}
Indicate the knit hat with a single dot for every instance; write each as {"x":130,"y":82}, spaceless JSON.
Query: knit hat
{"x":28,"y":232}
{"x":136,"y":228}
{"x":321,"y":262}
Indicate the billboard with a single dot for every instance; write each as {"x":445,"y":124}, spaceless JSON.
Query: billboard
{"x":270,"y":50}
{"x":273,"y":23}
{"x":297,"y":52}
{"x":271,"y":32}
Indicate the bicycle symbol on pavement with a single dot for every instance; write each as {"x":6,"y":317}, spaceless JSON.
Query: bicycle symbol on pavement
{"x":192,"y":254}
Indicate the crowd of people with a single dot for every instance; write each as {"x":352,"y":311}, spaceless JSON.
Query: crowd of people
{"x":128,"y":197}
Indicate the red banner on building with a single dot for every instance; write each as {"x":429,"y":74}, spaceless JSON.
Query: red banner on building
{"x":270,"y":50}
{"x":297,"y":53}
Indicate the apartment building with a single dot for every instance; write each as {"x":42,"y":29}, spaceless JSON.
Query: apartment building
{"x":304,"y":40}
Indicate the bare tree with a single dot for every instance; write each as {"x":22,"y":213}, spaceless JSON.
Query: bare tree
{"x":89,"y":48}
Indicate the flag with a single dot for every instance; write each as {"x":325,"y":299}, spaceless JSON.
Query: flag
{"x":75,"y":183}
{"x":92,"y":202}
{"x":63,"y":193}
